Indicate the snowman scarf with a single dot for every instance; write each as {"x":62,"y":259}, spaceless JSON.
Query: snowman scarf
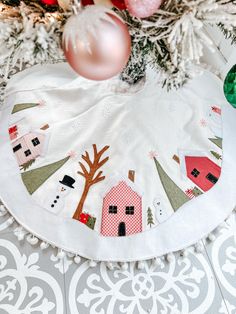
{"x":97,"y":170}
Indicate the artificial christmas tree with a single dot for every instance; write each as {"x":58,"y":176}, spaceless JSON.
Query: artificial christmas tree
{"x":172,"y":40}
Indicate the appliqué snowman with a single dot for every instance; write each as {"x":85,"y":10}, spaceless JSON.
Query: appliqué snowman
{"x":161,"y":214}
{"x":215,"y":121}
{"x":56,"y":204}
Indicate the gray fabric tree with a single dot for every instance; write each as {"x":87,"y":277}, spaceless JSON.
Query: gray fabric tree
{"x":19,"y":107}
{"x":33,"y":179}
{"x":175,"y":195}
{"x":217,"y":141}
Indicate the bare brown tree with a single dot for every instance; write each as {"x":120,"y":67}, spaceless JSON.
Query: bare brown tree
{"x":91,"y":176}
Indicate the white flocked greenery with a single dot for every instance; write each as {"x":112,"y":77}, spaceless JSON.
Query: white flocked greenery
{"x":172,"y":40}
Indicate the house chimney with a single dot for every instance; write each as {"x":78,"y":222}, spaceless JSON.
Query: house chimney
{"x":131,"y":175}
{"x":176,"y":158}
{"x":45,"y":127}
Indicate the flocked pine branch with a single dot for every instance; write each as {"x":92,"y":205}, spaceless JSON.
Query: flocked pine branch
{"x":29,"y":35}
{"x":171,"y":41}
{"x":229,"y":33}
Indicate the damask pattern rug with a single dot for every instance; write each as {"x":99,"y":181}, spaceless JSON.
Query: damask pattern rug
{"x":112,"y":173}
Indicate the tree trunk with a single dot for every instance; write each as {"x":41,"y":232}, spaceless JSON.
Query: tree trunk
{"x":81,"y":202}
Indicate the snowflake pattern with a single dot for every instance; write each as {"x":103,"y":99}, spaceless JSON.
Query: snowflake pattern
{"x":152,"y":154}
{"x":203,"y":123}
{"x":42,"y":103}
{"x":72,"y":154}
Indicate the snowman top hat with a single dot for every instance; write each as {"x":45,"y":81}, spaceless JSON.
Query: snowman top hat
{"x":68,"y":181}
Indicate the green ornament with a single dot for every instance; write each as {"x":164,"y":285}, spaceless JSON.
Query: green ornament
{"x":230,"y":86}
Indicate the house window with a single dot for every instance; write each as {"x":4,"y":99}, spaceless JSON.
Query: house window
{"x":112,"y":209}
{"x":16,"y":148}
{"x":35,"y":141}
{"x":195,"y":173}
{"x":213,"y":179}
{"x":129,"y":210}
{"x":27,"y":152}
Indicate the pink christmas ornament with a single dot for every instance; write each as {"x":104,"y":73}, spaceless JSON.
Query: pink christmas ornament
{"x":96,"y":43}
{"x":143,"y":8}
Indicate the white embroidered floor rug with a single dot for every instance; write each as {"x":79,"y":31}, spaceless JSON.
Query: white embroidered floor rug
{"x":116,"y":176}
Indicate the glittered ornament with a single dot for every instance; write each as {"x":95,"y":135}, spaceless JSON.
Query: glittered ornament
{"x":230,"y":86}
{"x":49,"y":2}
{"x":96,"y":43}
{"x":143,"y":8}
{"x":119,"y":4}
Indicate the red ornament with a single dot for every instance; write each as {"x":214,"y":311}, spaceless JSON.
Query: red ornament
{"x":119,"y":4}
{"x":49,"y":2}
{"x":87,"y":2}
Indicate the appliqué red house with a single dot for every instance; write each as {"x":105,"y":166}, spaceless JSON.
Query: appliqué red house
{"x":202,"y":171}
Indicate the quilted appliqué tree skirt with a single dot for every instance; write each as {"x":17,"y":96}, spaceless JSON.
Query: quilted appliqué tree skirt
{"x":116,"y":175}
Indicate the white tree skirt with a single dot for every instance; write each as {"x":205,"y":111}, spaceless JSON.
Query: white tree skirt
{"x":111,"y":174}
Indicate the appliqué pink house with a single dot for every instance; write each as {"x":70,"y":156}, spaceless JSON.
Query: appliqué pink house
{"x":122,"y":208}
{"x":30,"y":145}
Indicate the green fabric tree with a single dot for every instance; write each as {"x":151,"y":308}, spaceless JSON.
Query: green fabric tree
{"x":217,"y":141}
{"x":24,"y":106}
{"x":216,"y":155}
{"x":150,"y":221}
{"x":27,"y":164}
{"x":196,"y":191}
{"x":33,"y":179}
{"x":175,"y":195}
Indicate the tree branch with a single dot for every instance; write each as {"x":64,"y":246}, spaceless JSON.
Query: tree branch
{"x":86,"y":158}
{"x":82,"y":174}
{"x":98,"y":175}
{"x":101,"y":163}
{"x":98,"y":180}
{"x":84,"y":169}
{"x":102,"y":151}
{"x":95,"y":150}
